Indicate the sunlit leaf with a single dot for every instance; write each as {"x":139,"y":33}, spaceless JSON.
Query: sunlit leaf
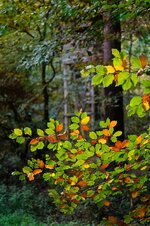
{"x":110,"y":69}
{"x":112,"y":124}
{"x":85,"y":120}
{"x":18,"y":132}
{"x":37,"y":171}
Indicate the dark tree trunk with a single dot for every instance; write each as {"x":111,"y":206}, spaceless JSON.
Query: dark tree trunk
{"x":113,"y":95}
{"x":45,"y":93}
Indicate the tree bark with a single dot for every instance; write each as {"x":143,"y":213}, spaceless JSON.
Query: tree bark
{"x":45,"y":93}
{"x":113,"y":95}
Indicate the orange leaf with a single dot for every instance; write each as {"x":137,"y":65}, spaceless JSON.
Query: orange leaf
{"x":134,"y":194}
{"x":71,"y":156}
{"x":59,"y":127}
{"x":82,"y":183}
{"x":49,"y":166}
{"x":112,"y":219}
{"x":112,"y":124}
{"x":115,"y":149}
{"x":106,"y":203}
{"x":106,"y":132}
{"x":59,"y":180}
{"x":104,"y":166}
{"x":85,"y":120}
{"x":85,"y":128}
{"x":30,"y":176}
{"x":125,"y":143}
{"x":63,"y":136}
{"x":37,"y":171}
{"x":113,"y":188}
{"x":127,"y":179}
{"x":34,"y":141}
{"x":93,"y":142}
{"x":139,"y":139}
{"x":40,"y":163}
{"x":75,"y":132}
{"x":52,"y":138}
{"x":143,"y":60}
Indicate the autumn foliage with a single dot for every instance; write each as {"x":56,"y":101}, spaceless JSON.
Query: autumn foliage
{"x":83,"y":164}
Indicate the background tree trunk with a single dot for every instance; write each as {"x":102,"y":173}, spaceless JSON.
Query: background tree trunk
{"x":113,"y":95}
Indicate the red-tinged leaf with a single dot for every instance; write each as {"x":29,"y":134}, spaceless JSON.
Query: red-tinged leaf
{"x":40,"y":163}
{"x":129,"y":167}
{"x":125,"y":143}
{"x":93,"y":142}
{"x":112,"y":124}
{"x":140,"y":213}
{"x":143,"y":60}
{"x":34,"y":141}
{"x":118,"y":144}
{"x":82,"y":183}
{"x":124,"y":63}
{"x":37,"y":171}
{"x":84,"y":194}
{"x":75,"y":201}
{"x":104,"y":166}
{"x":52,"y":138}
{"x":63,"y":136}
{"x":115,"y":149}
{"x":80,"y":151}
{"x":80,"y":137}
{"x":106,"y":132}
{"x":59,"y":128}
{"x":85,"y":128}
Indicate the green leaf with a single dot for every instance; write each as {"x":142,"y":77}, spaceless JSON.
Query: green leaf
{"x":117,"y":134}
{"x":135,"y":101}
{"x":122,"y":77}
{"x":85,"y":73}
{"x":97,"y":79}
{"x":51,"y":125}
{"x":16,"y":173}
{"x":100,"y":70}
{"x":75,"y":119}
{"x":40,"y":145}
{"x":26,"y":169}
{"x":49,"y":131}
{"x":108,"y":80}
{"x":20,"y":140}
{"x":93,"y":135}
{"x":74,"y":126}
{"x":18,"y":132}
{"x":135,"y":61}
{"x":22,"y":177}
{"x":67,"y":145}
{"x":127,"y":85}
{"x":117,"y":62}
{"x":115,"y":53}
{"x":40,"y":132}
{"x":78,"y":163}
{"x":146,"y":86}
{"x":12,"y":136}
{"x":103,"y":124}
{"x":134,"y":79}
{"x":27,"y":131}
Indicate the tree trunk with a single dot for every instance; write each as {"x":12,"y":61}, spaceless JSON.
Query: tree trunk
{"x":45,"y":93}
{"x":113,"y":95}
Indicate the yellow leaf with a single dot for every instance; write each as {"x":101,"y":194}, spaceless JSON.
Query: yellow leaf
{"x":146,"y":106}
{"x":85,"y":120}
{"x":112,"y":124}
{"x":110,"y":69}
{"x":52,"y":174}
{"x":86,"y":166}
{"x":102,"y":141}
{"x":143,"y":168}
{"x":118,"y":68}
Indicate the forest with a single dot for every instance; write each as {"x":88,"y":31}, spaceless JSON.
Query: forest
{"x":75,"y":112}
